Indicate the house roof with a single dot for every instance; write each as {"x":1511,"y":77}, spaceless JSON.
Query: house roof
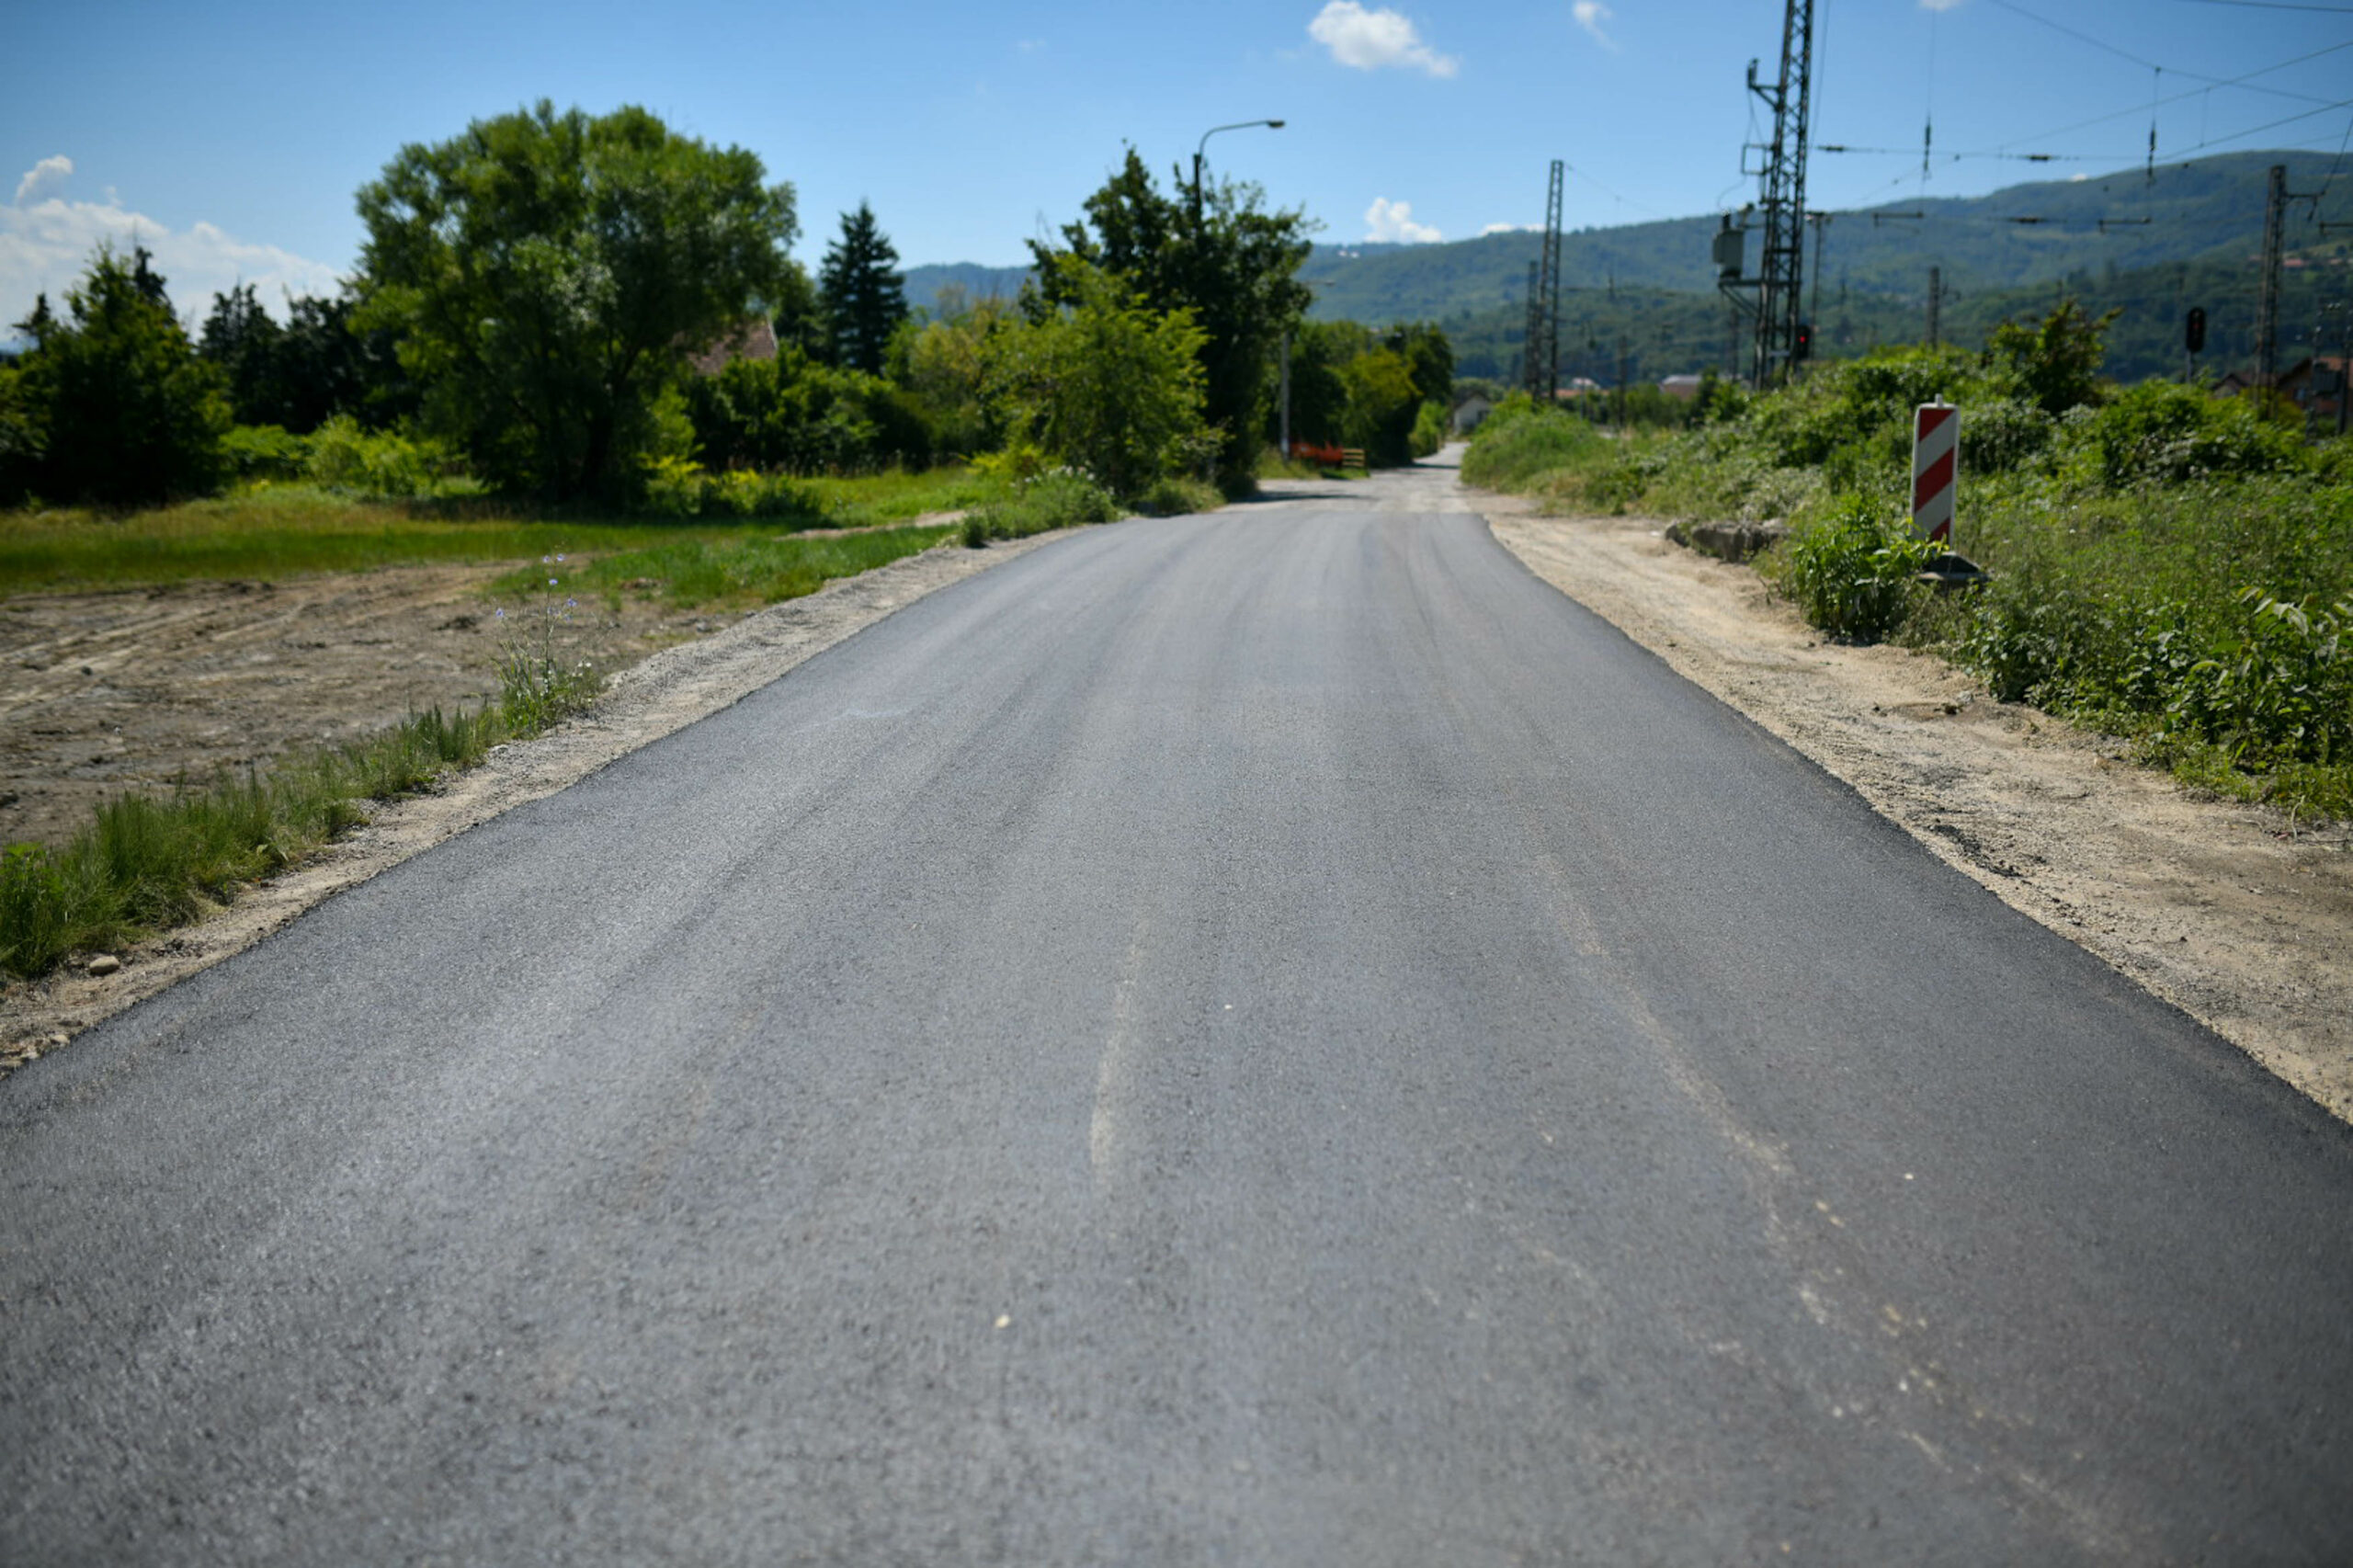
{"x":753,"y":339}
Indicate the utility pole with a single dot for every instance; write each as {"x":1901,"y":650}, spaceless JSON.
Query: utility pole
{"x":2267,"y":308}
{"x":1552,"y":279}
{"x":1935,"y":305}
{"x":1531,"y":372}
{"x":1821,"y":222}
{"x":1622,"y":362}
{"x":2344,"y":366}
{"x":1286,"y":395}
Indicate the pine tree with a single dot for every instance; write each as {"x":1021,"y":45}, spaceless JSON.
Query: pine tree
{"x":862,"y":292}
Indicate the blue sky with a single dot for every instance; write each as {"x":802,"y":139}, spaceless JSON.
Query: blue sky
{"x":232,"y":136}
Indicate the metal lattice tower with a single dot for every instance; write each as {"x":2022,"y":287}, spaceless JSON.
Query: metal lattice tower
{"x":1552,"y":282}
{"x":1540,"y":363}
{"x":1782,"y":280}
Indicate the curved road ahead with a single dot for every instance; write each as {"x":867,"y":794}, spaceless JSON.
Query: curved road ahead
{"x":1270,"y":1037}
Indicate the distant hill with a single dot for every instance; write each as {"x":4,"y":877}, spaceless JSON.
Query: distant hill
{"x":924,"y":283}
{"x":2210,"y":210}
{"x":1667,"y":332}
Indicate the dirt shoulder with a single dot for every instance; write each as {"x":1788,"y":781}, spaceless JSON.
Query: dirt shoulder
{"x":142,"y":686}
{"x":2234,"y":914}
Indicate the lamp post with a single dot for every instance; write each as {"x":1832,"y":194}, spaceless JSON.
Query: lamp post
{"x":1202,"y":146}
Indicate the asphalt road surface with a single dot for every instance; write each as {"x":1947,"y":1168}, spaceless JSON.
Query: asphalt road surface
{"x":1270,"y":1037}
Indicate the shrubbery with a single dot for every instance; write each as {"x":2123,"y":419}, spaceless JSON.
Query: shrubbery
{"x":1855,"y":573}
{"x":1057,"y":500}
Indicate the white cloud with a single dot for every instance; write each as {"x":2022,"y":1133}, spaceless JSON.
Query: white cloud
{"x":1511,"y":228}
{"x":43,"y":177}
{"x":1392,"y":222}
{"x":1938,"y":5}
{"x":1590,"y":14}
{"x":45,"y":247}
{"x":1371,"y":40}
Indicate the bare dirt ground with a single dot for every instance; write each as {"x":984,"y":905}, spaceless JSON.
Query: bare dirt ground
{"x":111,"y":693}
{"x":197,"y":676}
{"x":2236,"y":914}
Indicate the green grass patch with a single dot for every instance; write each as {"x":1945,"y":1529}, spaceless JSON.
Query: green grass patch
{"x":272,"y":531}
{"x":740,"y":570}
{"x":145,"y":863}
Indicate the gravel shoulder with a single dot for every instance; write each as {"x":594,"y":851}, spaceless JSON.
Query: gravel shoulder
{"x":2234,"y":914}
{"x":151,"y":685}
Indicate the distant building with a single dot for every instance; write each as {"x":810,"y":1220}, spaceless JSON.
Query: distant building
{"x":2317,"y":386}
{"x":754,"y":339}
{"x":1684,"y":387}
{"x":1471,"y":411}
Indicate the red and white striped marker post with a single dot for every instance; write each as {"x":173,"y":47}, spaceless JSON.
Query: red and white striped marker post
{"x":1936,"y":452}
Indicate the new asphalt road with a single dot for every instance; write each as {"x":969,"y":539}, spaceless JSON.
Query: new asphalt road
{"x":1269,"y":1038}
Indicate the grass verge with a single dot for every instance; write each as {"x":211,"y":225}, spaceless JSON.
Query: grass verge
{"x":146,"y":864}
{"x":734,"y":571}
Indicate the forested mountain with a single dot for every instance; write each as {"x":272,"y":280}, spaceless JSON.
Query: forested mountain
{"x":1667,"y":333}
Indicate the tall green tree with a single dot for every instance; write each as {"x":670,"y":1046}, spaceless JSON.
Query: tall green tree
{"x":1105,"y":383}
{"x":112,"y":398}
{"x":243,"y":339}
{"x":547,"y":274}
{"x":1233,"y":267}
{"x":862,"y":294}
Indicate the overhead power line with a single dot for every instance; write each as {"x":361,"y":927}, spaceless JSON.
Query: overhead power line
{"x":2136,"y":108}
{"x":2275,"y":5}
{"x":2260,"y":129}
{"x":2016,"y":9}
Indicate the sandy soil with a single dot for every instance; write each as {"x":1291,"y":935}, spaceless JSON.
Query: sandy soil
{"x":108,"y":693}
{"x":224,"y":674}
{"x":2234,"y":914}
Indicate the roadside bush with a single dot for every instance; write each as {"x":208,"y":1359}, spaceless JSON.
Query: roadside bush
{"x":264,"y":452}
{"x":2160,"y":433}
{"x":680,"y":487}
{"x":383,"y":464}
{"x":1177,"y":496}
{"x":1057,"y":500}
{"x":2003,"y":434}
{"x":793,"y":414}
{"x":1854,"y":574}
{"x":1518,"y":441}
{"x":1431,"y":427}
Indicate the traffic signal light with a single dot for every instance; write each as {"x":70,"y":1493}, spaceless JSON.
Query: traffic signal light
{"x":1802,"y":346}
{"x":2194,"y":338}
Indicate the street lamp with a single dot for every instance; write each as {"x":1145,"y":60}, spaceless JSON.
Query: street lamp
{"x":1197,"y":150}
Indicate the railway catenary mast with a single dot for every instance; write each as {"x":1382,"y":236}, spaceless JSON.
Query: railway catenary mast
{"x":1780,"y":281}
